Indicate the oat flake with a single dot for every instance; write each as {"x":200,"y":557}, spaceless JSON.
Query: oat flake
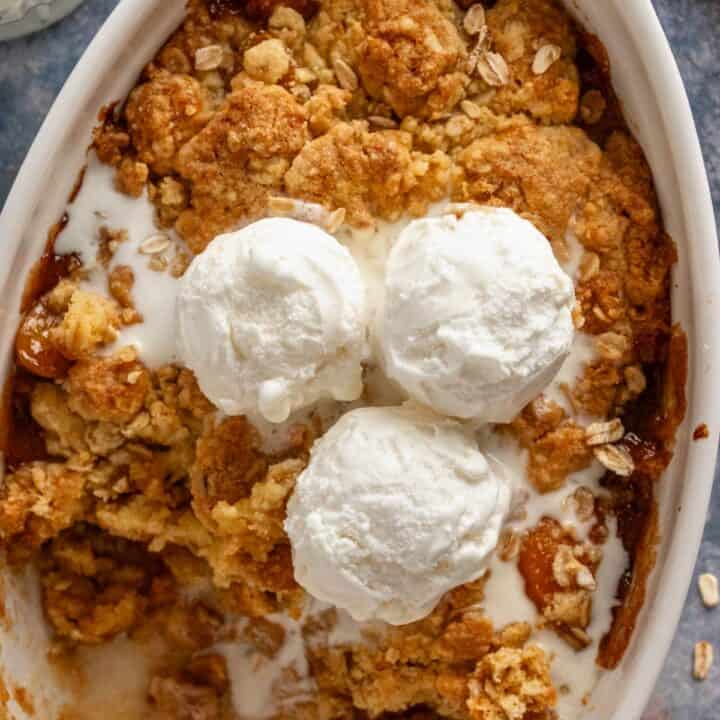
{"x":208,"y":57}
{"x":545,"y":58}
{"x":493,"y":69}
{"x":708,"y":586}
{"x":154,"y":244}
{"x":474,"y":20}
{"x":703,"y":660}
{"x":616,"y":459}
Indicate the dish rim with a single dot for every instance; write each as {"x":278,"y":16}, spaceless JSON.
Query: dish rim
{"x":704,"y":270}
{"x":675,"y":576}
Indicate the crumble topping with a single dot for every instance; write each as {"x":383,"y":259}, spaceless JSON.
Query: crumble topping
{"x":242,"y":153}
{"x":511,"y":684}
{"x":198,"y":690}
{"x":340,"y":169}
{"x":354,"y":112}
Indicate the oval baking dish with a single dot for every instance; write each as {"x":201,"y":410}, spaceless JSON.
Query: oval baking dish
{"x":649,"y":86}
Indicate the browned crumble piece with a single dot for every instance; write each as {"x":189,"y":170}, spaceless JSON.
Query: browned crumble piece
{"x":180,"y":263}
{"x":120,"y":284}
{"x":540,"y":172}
{"x":537,"y":419}
{"x":258,"y":519}
{"x":66,"y":432}
{"x":191,"y":626}
{"x":518,"y":31}
{"x":187,"y":569}
{"x":228,"y":464}
{"x":109,"y":241}
{"x":89,"y":322}
{"x":245,"y":600}
{"x":199,"y":691}
{"x":426,"y":663}
{"x":237,"y":158}
{"x":326,"y":108}
{"x":411,"y":55}
{"x":111,"y":389}
{"x":95,"y":587}
{"x":556,"y":444}
{"x":170,"y":198}
{"x":265,"y":637}
{"x":131,"y":177}
{"x":340,"y":169}
{"x":268,"y":61}
{"x":38,"y":501}
{"x":602,"y":301}
{"x":557,"y":454}
{"x":109,"y":143}
{"x":162,"y":115}
{"x":595,"y":390}
{"x":201,"y":28}
{"x":467,"y":638}
{"x":512,"y":684}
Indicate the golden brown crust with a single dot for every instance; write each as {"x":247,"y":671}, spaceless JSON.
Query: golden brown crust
{"x":556,"y":445}
{"x":410,"y":56}
{"x":162,"y":115}
{"x":518,"y":31}
{"x":240,"y":155}
{"x":439,"y":663}
{"x":540,"y":172}
{"x":38,"y":501}
{"x":96,"y":587}
{"x":340,"y":169}
{"x":512,"y":684}
{"x":89,"y":321}
{"x":108,"y":389}
{"x":228,"y":463}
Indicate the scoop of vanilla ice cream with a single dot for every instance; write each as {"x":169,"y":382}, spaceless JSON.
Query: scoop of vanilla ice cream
{"x":477,"y":317}
{"x":271,"y":318}
{"x":396,"y":507}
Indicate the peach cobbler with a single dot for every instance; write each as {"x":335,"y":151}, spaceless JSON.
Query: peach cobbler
{"x":345,"y":382}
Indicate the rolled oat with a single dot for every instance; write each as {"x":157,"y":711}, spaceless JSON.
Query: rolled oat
{"x":545,"y":58}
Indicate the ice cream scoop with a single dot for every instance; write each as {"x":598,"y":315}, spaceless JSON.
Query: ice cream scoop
{"x":478,"y":313}
{"x":272,"y":318}
{"x":396,"y":507}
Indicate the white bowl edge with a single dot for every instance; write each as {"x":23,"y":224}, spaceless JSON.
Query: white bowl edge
{"x":677,"y":166}
{"x":656,"y":108}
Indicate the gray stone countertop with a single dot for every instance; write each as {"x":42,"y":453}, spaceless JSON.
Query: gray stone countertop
{"x":32,"y":71}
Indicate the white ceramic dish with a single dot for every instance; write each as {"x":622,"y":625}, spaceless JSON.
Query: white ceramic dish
{"x":647,"y":81}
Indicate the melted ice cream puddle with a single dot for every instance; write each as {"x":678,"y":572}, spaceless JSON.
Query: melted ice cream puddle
{"x":257,"y":680}
{"x":505,"y":598}
{"x":98,"y":205}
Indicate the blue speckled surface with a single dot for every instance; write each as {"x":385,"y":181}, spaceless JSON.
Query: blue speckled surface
{"x":33,"y":70}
